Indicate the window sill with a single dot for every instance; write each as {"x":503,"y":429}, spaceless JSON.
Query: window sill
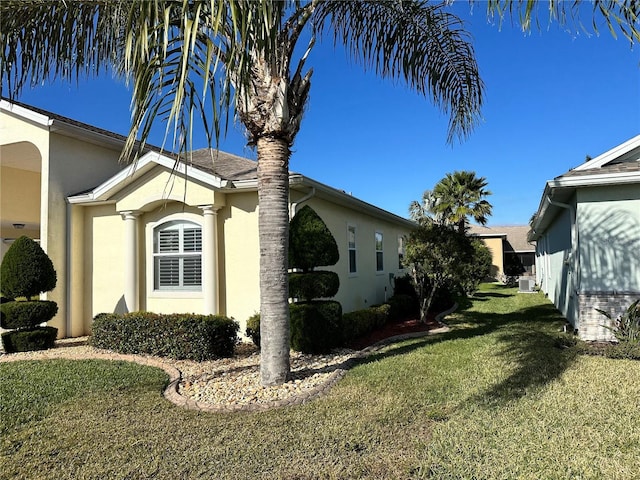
{"x":174,"y":294}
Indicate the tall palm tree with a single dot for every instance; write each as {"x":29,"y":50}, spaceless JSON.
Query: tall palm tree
{"x":189,"y":57}
{"x":459,"y":196}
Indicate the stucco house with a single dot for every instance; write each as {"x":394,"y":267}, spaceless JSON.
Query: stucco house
{"x":587,"y":230}
{"x":508,"y":244}
{"x":161,"y":237}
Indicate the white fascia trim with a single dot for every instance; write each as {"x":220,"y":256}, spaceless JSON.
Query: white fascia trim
{"x":611,"y":155}
{"x":596,"y":180}
{"x":25,"y":113}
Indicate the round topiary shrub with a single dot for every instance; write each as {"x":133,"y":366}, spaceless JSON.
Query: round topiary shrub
{"x":27,"y":314}
{"x":26,"y":270}
{"x":41,"y":338}
{"x":316,"y":284}
{"x":310,"y":241}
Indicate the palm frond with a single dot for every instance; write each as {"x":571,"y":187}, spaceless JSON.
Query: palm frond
{"x":43,"y":40}
{"x":417,"y":42}
{"x":618,"y":16}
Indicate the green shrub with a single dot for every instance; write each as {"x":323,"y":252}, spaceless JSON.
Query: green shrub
{"x":316,"y":284}
{"x":41,"y":338}
{"x":623,"y":350}
{"x":253,"y":329}
{"x":402,"y":306}
{"x":26,"y":270}
{"x":315,"y":326}
{"x":180,"y":336}
{"x":360,"y":322}
{"x":310,"y":241}
{"x":26,"y":314}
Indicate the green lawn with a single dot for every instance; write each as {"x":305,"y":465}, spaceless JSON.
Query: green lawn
{"x":491,"y":399}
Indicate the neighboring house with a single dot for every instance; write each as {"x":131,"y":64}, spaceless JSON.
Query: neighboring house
{"x":163,"y":238}
{"x":587,"y":230}
{"x":508,"y":246}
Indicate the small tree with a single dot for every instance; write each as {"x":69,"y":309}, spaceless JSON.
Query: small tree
{"x":436,"y":255}
{"x":26,"y":272}
{"x":478,"y":269}
{"x":315,"y":324}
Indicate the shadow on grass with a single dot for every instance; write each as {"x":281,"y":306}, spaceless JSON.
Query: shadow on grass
{"x":526,"y":340}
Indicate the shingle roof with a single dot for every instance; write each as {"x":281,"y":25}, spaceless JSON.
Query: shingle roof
{"x":224,"y":165}
{"x":633,"y":166}
{"x":516,"y":236}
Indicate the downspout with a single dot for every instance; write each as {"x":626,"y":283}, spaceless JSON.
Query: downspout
{"x":575,"y":278}
{"x":68,"y":285}
{"x":294,"y":205}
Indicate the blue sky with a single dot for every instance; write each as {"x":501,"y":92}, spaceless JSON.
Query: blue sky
{"x":552,"y":97}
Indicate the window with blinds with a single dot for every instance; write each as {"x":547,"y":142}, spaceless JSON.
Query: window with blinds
{"x":379,"y":252}
{"x":177,"y":256}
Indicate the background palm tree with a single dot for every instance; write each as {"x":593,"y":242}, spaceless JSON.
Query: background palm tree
{"x":460,"y":196}
{"x":203,"y":59}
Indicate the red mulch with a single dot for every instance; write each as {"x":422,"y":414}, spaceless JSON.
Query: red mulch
{"x":399,"y":327}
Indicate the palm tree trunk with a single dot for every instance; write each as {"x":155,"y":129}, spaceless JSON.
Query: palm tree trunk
{"x":273,"y":224}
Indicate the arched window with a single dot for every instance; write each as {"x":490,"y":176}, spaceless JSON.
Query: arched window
{"x":177,"y":256}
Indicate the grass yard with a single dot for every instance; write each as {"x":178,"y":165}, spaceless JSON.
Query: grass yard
{"x":491,"y":399}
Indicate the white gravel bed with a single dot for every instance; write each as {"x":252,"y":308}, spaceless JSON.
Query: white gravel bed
{"x":236,"y":381}
{"x":230,"y":382}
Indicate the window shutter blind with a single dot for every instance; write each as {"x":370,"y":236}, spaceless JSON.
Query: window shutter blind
{"x":192,"y":240}
{"x":192,"y":271}
{"x":168,"y":271}
{"x":168,"y":241}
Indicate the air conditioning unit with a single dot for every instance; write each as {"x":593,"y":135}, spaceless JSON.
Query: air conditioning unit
{"x":526,"y":285}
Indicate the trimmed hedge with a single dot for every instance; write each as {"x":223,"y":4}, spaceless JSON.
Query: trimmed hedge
{"x":316,"y":284}
{"x":316,"y":326}
{"x":179,"y":336}
{"x":41,"y":338}
{"x":26,"y":314}
{"x":360,"y":322}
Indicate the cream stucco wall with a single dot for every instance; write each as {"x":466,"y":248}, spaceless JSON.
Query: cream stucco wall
{"x":74,"y":165}
{"x":160,"y":185}
{"x":240,"y":257}
{"x":19,"y":199}
{"x":495,"y":245}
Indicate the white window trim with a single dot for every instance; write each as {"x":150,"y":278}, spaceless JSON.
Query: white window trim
{"x":149,"y":257}
{"x":375,"y":248}
{"x":355,"y":249}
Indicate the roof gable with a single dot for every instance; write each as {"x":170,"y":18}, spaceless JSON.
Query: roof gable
{"x":626,"y":152}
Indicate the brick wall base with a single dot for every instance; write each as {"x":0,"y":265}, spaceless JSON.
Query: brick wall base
{"x":591,"y":321}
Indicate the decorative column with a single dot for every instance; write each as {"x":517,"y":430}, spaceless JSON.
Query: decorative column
{"x":210,"y":259}
{"x":130,"y":260}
